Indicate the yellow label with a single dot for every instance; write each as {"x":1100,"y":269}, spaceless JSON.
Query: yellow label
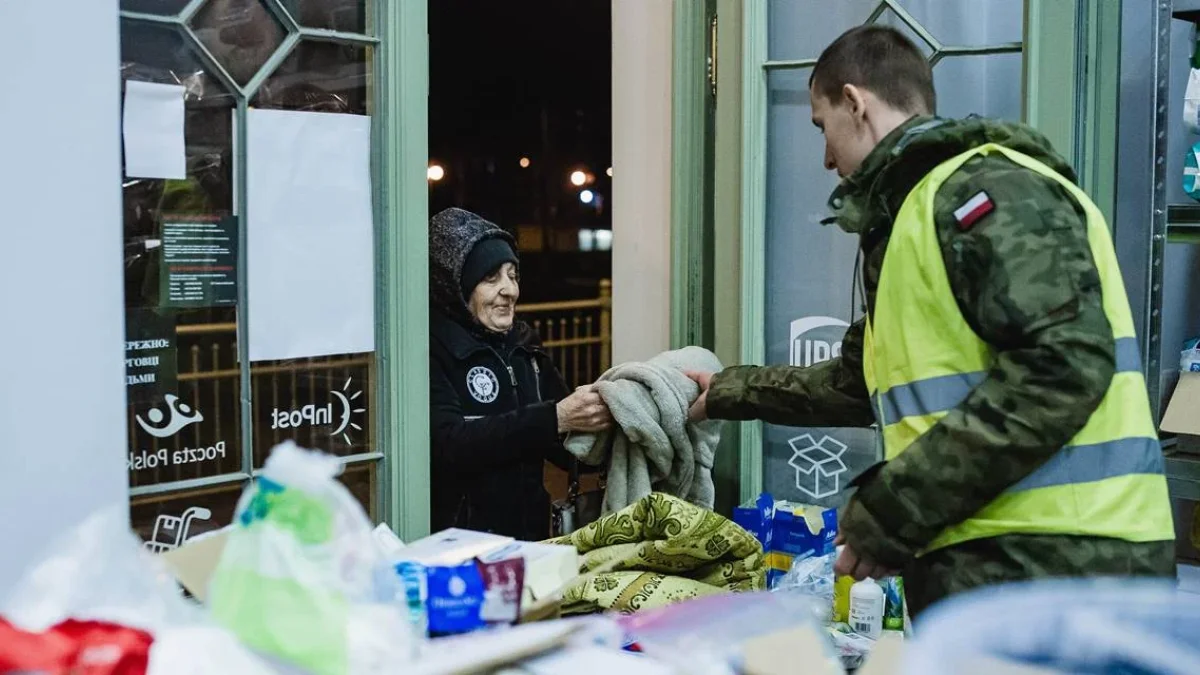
{"x":841,"y":598}
{"x":780,"y":561}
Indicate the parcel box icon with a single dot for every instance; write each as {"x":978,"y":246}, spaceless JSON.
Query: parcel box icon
{"x":818,"y":465}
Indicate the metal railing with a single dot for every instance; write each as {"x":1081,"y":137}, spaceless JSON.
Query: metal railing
{"x":577,"y":334}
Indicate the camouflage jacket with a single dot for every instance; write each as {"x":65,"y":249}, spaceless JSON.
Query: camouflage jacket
{"x":1024,"y":280}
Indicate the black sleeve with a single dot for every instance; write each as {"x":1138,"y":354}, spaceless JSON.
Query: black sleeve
{"x":478,"y":445}
{"x":555,"y":389}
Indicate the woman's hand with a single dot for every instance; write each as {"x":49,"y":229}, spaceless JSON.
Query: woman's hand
{"x":583,"y":411}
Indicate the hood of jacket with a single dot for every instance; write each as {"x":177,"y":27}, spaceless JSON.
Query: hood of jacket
{"x":452,"y":235}
{"x":871,"y":197}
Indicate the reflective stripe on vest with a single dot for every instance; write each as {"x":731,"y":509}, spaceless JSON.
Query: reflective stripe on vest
{"x":940,"y":394}
{"x":1107,"y":481}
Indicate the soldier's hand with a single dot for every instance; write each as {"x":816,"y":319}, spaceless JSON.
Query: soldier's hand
{"x":699,"y":410}
{"x":583,"y":411}
{"x":850,"y":563}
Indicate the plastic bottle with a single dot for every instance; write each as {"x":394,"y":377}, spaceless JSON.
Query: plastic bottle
{"x":866,"y":608}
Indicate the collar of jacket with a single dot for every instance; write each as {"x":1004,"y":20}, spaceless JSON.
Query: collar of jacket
{"x":462,"y":341}
{"x":870,"y":198}
{"x":865,"y":200}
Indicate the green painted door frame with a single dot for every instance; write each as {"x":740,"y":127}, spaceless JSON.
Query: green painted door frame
{"x":1072,"y":49}
{"x":401,"y":150}
{"x":691,"y":173}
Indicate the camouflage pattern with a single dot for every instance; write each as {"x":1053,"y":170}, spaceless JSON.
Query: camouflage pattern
{"x":1025,"y":281}
{"x":1011,"y":558}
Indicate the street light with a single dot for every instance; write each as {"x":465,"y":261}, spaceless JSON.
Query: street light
{"x":608,"y":171}
{"x":435,"y":172}
{"x":578,"y":178}
{"x":586,"y":196}
{"x":524,"y":162}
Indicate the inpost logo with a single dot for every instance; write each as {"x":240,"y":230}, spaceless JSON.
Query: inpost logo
{"x":314,"y":415}
{"x":815,"y":339}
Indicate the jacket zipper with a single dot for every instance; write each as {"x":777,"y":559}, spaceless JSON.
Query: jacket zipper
{"x":537,"y":377}
{"x":512,"y":374}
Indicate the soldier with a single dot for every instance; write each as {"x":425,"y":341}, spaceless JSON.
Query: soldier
{"x":997,"y":354}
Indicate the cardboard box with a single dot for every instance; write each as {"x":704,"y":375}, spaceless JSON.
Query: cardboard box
{"x":548,"y":568}
{"x":452,"y":547}
{"x":1183,"y":411}
{"x":194,"y":562}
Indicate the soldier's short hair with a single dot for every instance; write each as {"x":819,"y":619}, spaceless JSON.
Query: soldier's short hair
{"x":881,"y":60}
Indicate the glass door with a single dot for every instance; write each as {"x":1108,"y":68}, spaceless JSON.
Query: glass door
{"x":268,"y":92}
{"x":798,"y":274}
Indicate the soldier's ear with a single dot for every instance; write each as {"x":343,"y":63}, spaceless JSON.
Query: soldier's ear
{"x":855,"y":101}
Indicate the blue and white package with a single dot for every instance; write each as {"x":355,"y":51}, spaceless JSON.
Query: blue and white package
{"x":756,"y":518}
{"x":1189,"y":358}
{"x":415,"y":587}
{"x":788,"y":532}
{"x":1191,"y":172}
{"x":799,"y":531}
{"x":455,"y":598}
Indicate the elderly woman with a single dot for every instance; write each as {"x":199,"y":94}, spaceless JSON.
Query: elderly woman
{"x":499,"y":408}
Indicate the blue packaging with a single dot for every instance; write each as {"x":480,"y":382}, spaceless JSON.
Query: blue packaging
{"x":788,"y":531}
{"x":455,"y":597}
{"x":793,"y":537}
{"x":415,"y":595}
{"x":1189,"y":358}
{"x":756,"y":519}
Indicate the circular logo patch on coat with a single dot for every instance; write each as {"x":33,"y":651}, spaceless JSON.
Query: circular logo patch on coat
{"x":482,"y":384}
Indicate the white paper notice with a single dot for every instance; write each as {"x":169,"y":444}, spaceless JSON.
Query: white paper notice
{"x":153,"y":131}
{"x":310,"y":255}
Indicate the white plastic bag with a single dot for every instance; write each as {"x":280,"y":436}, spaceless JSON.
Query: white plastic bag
{"x":100,"y":571}
{"x":301,"y":577}
{"x":1191,"y":103}
{"x":811,"y":576}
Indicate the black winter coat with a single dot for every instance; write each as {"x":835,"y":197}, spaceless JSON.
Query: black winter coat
{"x":492,"y":424}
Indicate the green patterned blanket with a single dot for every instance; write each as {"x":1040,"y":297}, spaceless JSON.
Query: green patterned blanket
{"x":657,"y":551}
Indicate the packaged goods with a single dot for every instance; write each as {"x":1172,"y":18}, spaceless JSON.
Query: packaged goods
{"x":455,"y":598}
{"x":893,"y":613}
{"x":841,"y":598}
{"x":867,"y":603}
{"x":1189,"y":358}
{"x":788,"y":532}
{"x":811,"y":577}
{"x":301,"y":578}
{"x":415,"y":599}
{"x":475,"y":579}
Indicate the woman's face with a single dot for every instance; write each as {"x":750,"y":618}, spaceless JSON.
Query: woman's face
{"x":494,"y":300}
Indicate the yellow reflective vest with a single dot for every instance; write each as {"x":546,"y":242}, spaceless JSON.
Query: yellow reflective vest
{"x":1107,"y":482}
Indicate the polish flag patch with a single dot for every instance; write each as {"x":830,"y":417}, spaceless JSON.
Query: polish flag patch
{"x":975,"y":208}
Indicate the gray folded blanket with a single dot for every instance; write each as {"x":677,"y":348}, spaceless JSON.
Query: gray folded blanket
{"x":653,"y":447}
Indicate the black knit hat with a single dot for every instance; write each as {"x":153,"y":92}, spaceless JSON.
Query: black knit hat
{"x":453,"y":233}
{"x":485,"y":257}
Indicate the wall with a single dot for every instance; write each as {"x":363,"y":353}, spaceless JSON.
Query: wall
{"x":61,"y":374}
{"x":642,"y":39}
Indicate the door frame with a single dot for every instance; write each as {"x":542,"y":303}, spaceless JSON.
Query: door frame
{"x":402,"y":297}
